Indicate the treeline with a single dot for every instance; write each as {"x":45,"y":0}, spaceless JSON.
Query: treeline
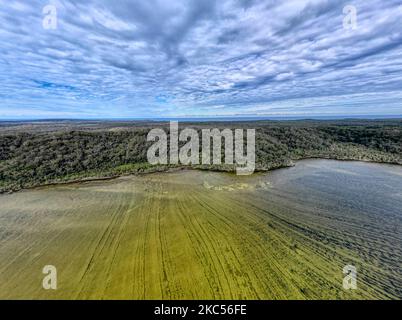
{"x":34,"y":158}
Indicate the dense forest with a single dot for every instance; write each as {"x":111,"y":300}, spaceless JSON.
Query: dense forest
{"x":38,"y":153}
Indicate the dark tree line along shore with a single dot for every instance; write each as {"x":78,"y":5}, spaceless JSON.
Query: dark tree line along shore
{"x":38,"y":153}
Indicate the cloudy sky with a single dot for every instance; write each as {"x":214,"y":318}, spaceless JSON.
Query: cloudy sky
{"x":173,"y":58}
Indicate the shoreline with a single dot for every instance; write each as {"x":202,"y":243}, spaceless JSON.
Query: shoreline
{"x":292,"y":163}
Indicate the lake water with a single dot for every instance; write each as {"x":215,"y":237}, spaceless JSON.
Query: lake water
{"x":285,"y":234}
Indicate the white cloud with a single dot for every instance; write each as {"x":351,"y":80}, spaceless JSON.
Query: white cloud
{"x":116,"y":60}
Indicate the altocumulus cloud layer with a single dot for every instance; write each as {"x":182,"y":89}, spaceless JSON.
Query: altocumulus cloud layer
{"x":161,"y":58}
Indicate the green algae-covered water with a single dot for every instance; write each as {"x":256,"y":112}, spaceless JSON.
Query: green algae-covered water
{"x":286,"y":234}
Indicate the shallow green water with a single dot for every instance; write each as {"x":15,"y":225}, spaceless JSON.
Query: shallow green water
{"x":286,"y":234}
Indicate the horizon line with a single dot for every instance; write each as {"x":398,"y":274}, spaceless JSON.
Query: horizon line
{"x":216,"y":118}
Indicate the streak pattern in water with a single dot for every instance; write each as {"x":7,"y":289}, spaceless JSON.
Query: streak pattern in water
{"x":286,"y":234}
